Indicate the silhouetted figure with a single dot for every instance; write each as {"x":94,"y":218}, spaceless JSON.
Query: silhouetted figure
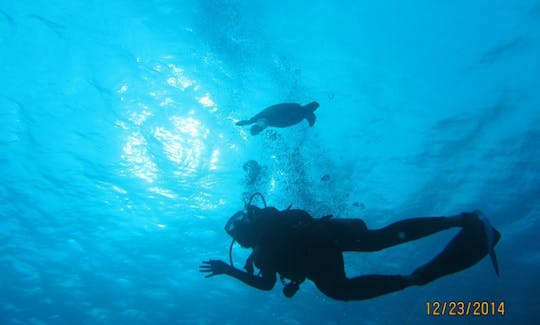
{"x":281,"y":116}
{"x":297,"y":246}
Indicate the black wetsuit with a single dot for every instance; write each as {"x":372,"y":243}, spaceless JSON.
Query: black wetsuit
{"x":297,"y":246}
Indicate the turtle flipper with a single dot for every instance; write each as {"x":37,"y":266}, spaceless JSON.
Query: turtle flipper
{"x":309,"y":115}
{"x":244,"y":122}
{"x":311,"y":118}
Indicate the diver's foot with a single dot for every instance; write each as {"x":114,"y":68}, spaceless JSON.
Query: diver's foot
{"x":478,"y":220}
{"x":465,"y":219}
{"x":471,"y":219}
{"x":468,"y":220}
{"x":476,"y":239}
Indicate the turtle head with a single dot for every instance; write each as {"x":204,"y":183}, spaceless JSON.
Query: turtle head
{"x":312,"y":106}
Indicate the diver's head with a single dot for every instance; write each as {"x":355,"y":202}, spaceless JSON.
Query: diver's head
{"x":241,"y":226}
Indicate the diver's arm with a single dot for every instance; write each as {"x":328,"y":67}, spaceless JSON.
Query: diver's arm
{"x":264,"y":282}
{"x":215,"y":267}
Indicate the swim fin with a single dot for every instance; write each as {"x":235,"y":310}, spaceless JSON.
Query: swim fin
{"x":474,"y":241}
{"x":490,"y":242}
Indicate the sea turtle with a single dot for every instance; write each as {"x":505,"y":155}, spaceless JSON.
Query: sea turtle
{"x":281,"y":116}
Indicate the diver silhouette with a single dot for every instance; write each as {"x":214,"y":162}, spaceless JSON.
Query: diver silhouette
{"x":297,"y":246}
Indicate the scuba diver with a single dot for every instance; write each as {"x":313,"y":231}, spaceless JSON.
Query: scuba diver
{"x":297,"y":246}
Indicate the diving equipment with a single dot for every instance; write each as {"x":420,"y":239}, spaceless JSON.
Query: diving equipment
{"x":239,"y":217}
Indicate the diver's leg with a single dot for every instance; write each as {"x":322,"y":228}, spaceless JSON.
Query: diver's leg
{"x":467,"y":248}
{"x":327,"y":271}
{"x":362,"y":287}
{"x":401,"y":232}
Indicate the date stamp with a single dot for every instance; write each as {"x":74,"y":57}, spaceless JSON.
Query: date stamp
{"x":465,"y":308}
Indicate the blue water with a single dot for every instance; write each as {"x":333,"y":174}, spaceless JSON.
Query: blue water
{"x":120,"y":161}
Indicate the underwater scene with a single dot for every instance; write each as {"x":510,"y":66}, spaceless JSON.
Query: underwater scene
{"x":269,"y":162}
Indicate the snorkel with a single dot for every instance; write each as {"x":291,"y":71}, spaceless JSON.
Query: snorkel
{"x":238,"y":216}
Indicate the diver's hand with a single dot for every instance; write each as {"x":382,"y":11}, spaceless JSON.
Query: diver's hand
{"x":214,"y":267}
